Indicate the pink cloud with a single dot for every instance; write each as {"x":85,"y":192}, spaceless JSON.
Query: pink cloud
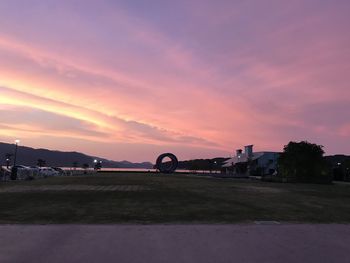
{"x":224,"y":75}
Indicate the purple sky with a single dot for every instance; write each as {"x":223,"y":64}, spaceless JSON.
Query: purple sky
{"x":132,"y":79}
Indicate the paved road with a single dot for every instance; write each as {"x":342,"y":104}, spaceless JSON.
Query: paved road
{"x":175,"y":243}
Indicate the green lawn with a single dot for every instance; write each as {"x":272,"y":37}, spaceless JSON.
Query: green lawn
{"x":171,"y":199}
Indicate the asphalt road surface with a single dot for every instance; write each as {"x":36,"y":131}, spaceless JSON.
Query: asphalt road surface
{"x":175,"y":243}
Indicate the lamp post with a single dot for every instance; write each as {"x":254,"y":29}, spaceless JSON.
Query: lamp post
{"x":15,"y":158}
{"x":14,"y":169}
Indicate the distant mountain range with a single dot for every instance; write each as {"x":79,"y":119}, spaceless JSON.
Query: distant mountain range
{"x":30,"y":156}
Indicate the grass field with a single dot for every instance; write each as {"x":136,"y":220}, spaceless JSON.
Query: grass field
{"x":149,"y":198}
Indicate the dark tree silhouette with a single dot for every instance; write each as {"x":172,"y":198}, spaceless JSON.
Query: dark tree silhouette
{"x":98,"y":165}
{"x":41,"y":162}
{"x":341,"y":171}
{"x":304,"y":162}
{"x":346,"y":168}
{"x":75,"y":165}
{"x":85,"y":167}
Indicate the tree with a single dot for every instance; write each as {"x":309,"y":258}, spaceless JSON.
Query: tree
{"x":41,"y":162}
{"x":304,"y":162}
{"x":347,"y":170}
{"x":75,"y":165}
{"x":98,"y":165}
{"x":85,"y":167}
{"x":193,"y":167}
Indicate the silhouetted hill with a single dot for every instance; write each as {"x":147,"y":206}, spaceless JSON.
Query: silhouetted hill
{"x":30,"y":156}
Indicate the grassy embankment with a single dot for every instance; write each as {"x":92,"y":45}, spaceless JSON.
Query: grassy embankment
{"x":170,"y":199}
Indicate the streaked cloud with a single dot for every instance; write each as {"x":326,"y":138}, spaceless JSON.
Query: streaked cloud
{"x":200,"y":74}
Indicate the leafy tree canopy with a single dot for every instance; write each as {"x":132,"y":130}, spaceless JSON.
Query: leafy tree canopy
{"x":304,"y":162}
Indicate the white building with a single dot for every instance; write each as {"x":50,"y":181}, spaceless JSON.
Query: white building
{"x":248,"y":163}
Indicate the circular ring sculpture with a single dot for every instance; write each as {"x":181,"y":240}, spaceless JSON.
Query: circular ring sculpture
{"x":167,"y":167}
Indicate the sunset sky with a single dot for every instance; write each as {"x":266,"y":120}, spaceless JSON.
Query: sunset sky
{"x":132,"y":79}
